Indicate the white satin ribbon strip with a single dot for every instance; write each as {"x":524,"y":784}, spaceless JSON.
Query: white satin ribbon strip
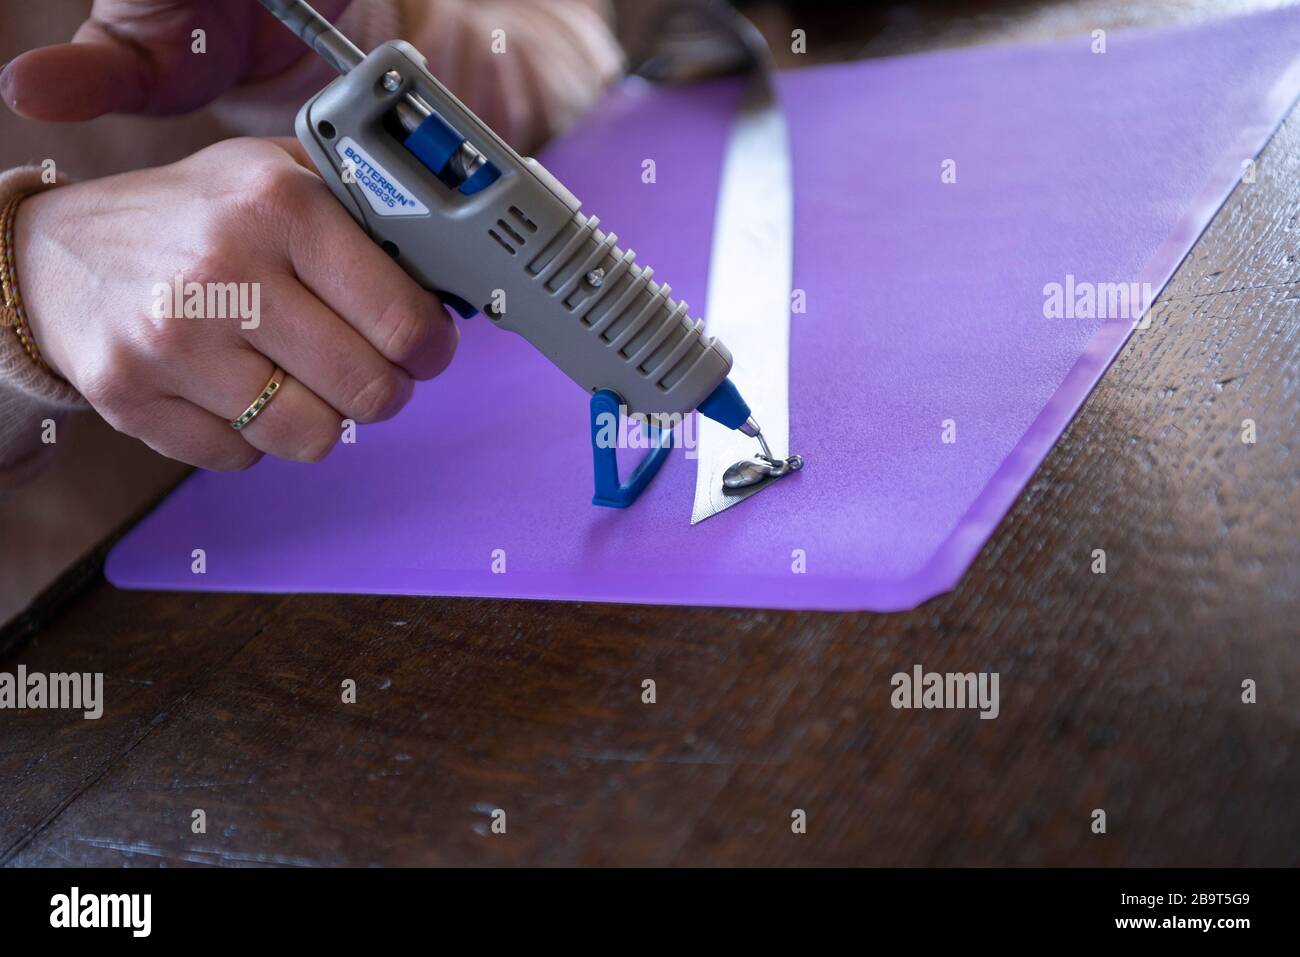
{"x":748,"y":305}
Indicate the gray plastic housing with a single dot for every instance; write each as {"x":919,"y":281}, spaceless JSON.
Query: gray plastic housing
{"x":522,"y":240}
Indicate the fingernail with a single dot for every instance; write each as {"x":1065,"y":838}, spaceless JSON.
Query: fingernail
{"x":9,"y":88}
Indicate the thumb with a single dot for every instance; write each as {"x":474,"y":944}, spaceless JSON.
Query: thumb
{"x":77,"y":81}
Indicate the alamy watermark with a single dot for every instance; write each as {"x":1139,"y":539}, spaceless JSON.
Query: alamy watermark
{"x":130,"y":911}
{"x":640,"y":430}
{"x":952,"y":689}
{"x":179,"y":299}
{"x":1080,"y":299}
{"x":79,"y":691}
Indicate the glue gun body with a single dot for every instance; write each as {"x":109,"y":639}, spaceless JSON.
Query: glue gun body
{"x":494,"y":232}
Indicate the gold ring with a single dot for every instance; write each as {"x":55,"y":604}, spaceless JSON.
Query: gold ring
{"x":260,"y":403}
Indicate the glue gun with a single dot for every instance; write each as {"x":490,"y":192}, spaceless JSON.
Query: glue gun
{"x":489,"y":230}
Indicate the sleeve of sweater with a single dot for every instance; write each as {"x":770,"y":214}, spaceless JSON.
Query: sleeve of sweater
{"x":527,"y":67}
{"x":28,"y":394}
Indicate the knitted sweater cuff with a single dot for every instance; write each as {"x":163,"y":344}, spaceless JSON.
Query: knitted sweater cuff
{"x":29,"y":395}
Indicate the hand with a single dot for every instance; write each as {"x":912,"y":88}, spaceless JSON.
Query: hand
{"x":97,"y":265}
{"x":134,"y":56}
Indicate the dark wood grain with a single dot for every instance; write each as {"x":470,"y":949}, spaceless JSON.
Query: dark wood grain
{"x":1118,"y":691}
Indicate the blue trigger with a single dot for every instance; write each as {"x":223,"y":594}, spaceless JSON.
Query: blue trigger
{"x":463,"y":308}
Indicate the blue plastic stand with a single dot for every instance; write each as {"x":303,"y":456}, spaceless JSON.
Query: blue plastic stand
{"x":610,"y":492}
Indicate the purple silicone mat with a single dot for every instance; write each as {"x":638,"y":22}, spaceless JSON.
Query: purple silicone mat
{"x":924,"y":303}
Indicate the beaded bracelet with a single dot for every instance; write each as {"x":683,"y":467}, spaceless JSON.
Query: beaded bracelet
{"x":12,"y":312}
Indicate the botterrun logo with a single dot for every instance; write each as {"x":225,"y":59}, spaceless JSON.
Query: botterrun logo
{"x":386,"y":195}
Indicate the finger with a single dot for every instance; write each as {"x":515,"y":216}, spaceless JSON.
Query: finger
{"x":72,"y":82}
{"x":295,"y":424}
{"x":329,"y":357}
{"x":294,"y":149}
{"x":180,"y":430}
{"x":403,"y":321}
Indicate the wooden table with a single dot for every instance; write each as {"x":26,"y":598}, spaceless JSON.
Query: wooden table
{"x":1119,"y":691}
